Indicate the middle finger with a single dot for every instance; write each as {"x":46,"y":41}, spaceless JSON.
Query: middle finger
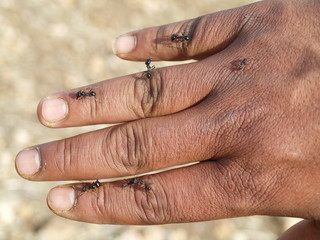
{"x":132,"y":148}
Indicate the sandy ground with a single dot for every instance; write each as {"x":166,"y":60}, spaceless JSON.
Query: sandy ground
{"x":50,"y":46}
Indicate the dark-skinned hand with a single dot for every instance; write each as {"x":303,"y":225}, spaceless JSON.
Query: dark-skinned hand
{"x":248,"y":111}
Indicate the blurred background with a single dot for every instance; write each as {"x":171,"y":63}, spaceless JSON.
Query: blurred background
{"x":50,"y":46}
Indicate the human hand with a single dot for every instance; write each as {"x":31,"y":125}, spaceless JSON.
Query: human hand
{"x":255,"y":130}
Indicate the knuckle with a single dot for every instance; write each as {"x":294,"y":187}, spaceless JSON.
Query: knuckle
{"x":127,"y":146}
{"x":152,"y":206}
{"x":258,"y":188}
{"x":233,"y":126}
{"x":224,"y":127}
{"x":247,"y":190}
{"x":147,"y":94}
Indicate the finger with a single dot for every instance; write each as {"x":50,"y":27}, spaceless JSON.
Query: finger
{"x":306,"y":229}
{"x":132,"y":148}
{"x":207,"y":34}
{"x":201,"y":192}
{"x":127,"y":98}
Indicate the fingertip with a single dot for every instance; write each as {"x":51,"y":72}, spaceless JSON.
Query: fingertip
{"x":52,"y":110}
{"x":124,"y":44}
{"x":61,"y":199}
{"x":28,"y":162}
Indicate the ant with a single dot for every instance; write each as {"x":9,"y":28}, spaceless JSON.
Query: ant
{"x":94,"y":185}
{"x":146,"y":186}
{"x":149,"y":68}
{"x":83,"y":94}
{"x":242,"y":63}
{"x":131,"y":182}
{"x":135,"y":181}
{"x":177,"y":37}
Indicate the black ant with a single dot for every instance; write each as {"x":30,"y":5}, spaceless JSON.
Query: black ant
{"x":131,"y":182}
{"x":135,"y":181}
{"x":146,"y":186}
{"x":83,"y":94}
{"x":242,"y":63}
{"x":149,"y":68}
{"x":177,"y":37}
{"x":94,"y":185}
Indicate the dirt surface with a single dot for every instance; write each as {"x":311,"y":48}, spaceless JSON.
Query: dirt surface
{"x":50,"y":46}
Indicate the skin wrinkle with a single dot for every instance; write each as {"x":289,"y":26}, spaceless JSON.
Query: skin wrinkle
{"x":128,"y":140}
{"x":140,"y":88}
{"x":114,"y":144}
{"x":66,"y":156}
{"x":61,"y":166}
{"x":99,"y":204}
{"x":151,"y":96}
{"x":142,"y":145}
{"x":146,"y":208}
{"x":95,"y":107}
{"x":239,"y":191}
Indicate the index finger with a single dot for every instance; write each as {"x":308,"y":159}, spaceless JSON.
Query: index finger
{"x":190,"y":39}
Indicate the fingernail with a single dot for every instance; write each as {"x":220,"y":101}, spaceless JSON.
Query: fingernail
{"x":61,"y":198}
{"x":28,"y":162}
{"x":124,"y":44}
{"x":54,"y":109}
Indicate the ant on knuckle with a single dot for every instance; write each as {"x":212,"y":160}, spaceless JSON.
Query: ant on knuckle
{"x":151,"y":204}
{"x":147,"y":92}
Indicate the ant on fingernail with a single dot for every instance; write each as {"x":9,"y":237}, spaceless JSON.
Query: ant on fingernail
{"x":177,"y":37}
{"x":94,"y":185}
{"x":82,"y":94}
{"x":149,"y":68}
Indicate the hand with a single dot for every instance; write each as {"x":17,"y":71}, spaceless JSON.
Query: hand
{"x":253,"y":125}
